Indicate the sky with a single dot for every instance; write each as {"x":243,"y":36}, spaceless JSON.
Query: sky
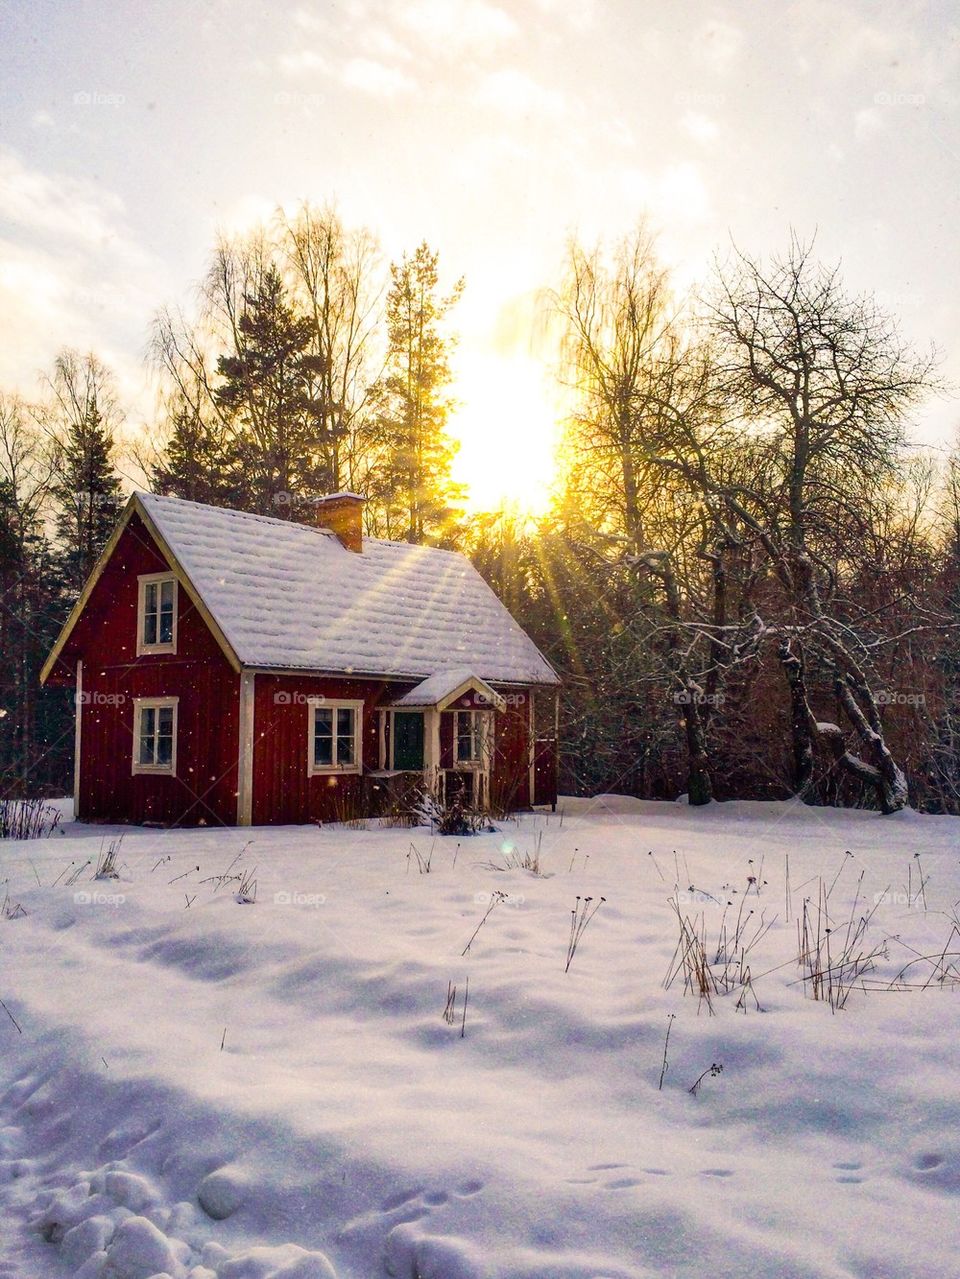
{"x":129,"y":133}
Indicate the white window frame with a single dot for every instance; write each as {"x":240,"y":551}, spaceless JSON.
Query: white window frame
{"x":338,"y":704}
{"x":478,"y":728}
{"x":388,"y":737}
{"x":141,"y":704}
{"x":143,"y":581}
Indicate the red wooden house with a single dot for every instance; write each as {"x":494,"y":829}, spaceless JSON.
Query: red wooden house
{"x":235,"y":669}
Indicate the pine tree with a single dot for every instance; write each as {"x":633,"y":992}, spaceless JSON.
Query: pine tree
{"x":36,"y":734}
{"x":201,"y":462}
{"x":87,"y":491}
{"x":413,"y":481}
{"x":265,"y":390}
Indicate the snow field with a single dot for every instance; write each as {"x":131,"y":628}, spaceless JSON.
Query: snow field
{"x":271,"y":1091}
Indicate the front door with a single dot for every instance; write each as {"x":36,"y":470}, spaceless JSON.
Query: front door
{"x":408,"y":741}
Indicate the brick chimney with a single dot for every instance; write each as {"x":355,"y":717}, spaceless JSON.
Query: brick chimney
{"x":342,"y":514}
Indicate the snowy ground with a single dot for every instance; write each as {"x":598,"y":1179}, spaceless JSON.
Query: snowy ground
{"x":271,"y":1090}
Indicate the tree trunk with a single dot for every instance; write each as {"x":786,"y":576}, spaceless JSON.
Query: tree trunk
{"x":801,"y":736}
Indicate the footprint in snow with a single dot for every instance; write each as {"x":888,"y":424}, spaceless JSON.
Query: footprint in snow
{"x":399,"y":1199}
{"x":926,"y":1163}
{"x":848,"y":1169}
{"x":468,"y":1188}
{"x":716,"y":1172}
{"x":621,"y":1183}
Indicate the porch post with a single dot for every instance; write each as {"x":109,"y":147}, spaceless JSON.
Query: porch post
{"x":431,"y":749}
{"x":245,"y":751}
{"x":77,"y":740}
{"x":532,"y":749}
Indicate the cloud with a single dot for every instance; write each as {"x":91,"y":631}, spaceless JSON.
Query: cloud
{"x":457,"y":28}
{"x":676,"y":195}
{"x":307,"y":20}
{"x":718,"y":45}
{"x":578,"y":14}
{"x":517,"y":94}
{"x":76,"y":211}
{"x":867,"y":124}
{"x":699,"y":127}
{"x":304,"y":62}
{"x":370,"y":76}
{"x":71,"y":273}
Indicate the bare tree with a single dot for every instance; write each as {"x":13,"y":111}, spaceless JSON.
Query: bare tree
{"x":821,"y":384}
{"x":634,"y":363}
{"x":337,"y":278}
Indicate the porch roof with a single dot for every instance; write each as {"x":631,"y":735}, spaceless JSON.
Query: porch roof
{"x":441,"y":688}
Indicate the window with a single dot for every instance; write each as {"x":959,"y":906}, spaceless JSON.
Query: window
{"x":157,"y":614}
{"x":407,"y":744}
{"x":335,"y":737}
{"x":155,"y":735}
{"x":467,"y":737}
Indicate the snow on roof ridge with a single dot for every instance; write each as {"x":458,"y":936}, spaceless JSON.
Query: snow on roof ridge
{"x":281,"y":523}
{"x":166,"y":499}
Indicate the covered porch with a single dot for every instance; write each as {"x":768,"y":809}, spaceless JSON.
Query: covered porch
{"x":442,"y":732}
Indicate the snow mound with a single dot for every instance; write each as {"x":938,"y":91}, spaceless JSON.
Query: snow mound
{"x":302,"y":1092}
{"x":223,"y":1192}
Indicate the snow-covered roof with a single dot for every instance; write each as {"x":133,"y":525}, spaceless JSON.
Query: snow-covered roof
{"x":445,"y":686}
{"x":290,"y":596}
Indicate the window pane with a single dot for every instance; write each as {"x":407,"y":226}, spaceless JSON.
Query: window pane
{"x":166,"y":624}
{"x":345,"y":726}
{"x":150,"y":613}
{"x":465,"y":736}
{"x":147,"y":727}
{"x":408,"y":740}
{"x":165,"y":749}
{"x":323,"y":736}
{"x":345,"y":721}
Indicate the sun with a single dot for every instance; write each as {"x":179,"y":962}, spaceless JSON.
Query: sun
{"x":506,"y":422}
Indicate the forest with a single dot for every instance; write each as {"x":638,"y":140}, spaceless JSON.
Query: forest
{"x":748,"y":576}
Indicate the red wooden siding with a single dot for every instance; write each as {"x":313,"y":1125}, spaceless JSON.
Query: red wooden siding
{"x":510,"y":770}
{"x":283,"y":791}
{"x":205,"y":788}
